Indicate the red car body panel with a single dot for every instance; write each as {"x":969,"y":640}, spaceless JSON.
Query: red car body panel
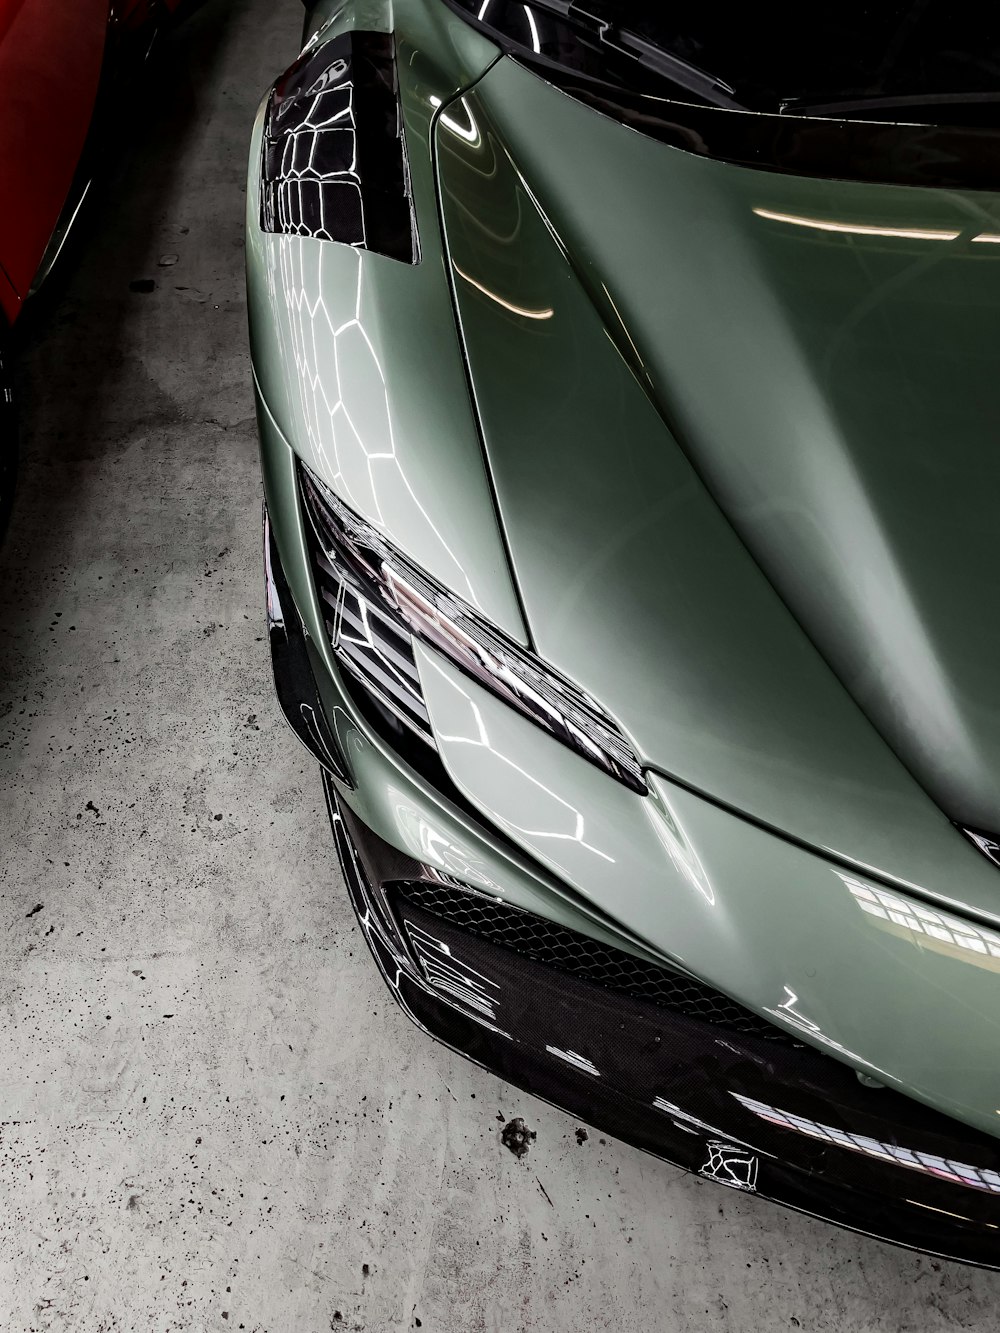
{"x":50,"y":71}
{"x":49,"y":74}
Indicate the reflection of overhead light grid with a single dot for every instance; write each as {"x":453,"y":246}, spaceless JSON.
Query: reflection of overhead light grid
{"x":333,"y":151}
{"x":728,"y":1164}
{"x":311,"y":185}
{"x":938,"y":930}
{"x":343,"y":397}
{"x":929,"y":1164}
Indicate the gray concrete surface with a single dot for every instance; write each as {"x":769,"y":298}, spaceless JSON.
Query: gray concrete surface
{"x":212,"y":1116}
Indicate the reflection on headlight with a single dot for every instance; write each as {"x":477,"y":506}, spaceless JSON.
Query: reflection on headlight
{"x":375,"y":600}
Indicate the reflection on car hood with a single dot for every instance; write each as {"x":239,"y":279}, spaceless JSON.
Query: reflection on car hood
{"x":741,"y":431}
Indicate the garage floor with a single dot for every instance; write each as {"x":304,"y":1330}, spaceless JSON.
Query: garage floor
{"x":212,"y":1116}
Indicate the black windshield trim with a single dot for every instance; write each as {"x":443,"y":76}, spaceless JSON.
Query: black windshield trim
{"x":875,"y":151}
{"x":934,"y":156}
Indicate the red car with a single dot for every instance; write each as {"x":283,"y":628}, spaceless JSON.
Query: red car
{"x":51,"y":71}
{"x":55,"y":68}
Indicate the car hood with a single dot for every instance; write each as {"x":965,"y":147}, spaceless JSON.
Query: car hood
{"x":741,"y":431}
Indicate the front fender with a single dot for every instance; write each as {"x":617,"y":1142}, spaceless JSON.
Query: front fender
{"x":358,"y":359}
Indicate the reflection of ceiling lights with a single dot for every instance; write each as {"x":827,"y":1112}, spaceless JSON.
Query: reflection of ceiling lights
{"x":684,"y":1120}
{"x":469,"y":133}
{"x":547,"y":313}
{"x":864,"y":229}
{"x":930,"y":1164}
{"x":534,"y":30}
{"x":859,"y":228}
{"x":944,"y":933}
{"x":576,"y":1060}
{"x":989,"y":846}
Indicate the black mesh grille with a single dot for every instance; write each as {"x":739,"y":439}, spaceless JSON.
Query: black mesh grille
{"x":568,"y":951}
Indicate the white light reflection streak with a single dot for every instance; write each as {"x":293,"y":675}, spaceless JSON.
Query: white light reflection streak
{"x":577,"y":1061}
{"x":534,"y":31}
{"x":691,"y":1123}
{"x":470,"y":135}
{"x":453,"y":976}
{"x":789,"y":1008}
{"x":546,"y":313}
{"x":859,"y":228}
{"x":680,"y":849}
{"x":947,"y":1213}
{"x":438,"y":849}
{"x":787,"y":1016}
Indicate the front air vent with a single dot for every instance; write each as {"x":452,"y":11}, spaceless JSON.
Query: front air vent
{"x":569,"y":951}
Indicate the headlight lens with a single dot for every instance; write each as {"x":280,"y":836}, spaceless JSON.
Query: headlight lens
{"x":375,"y":600}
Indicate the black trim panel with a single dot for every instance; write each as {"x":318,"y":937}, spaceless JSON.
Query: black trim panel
{"x":658,"y":104}
{"x":334,"y":153}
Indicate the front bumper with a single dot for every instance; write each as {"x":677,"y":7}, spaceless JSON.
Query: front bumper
{"x":765,"y":1117}
{"x":693,"y":1083}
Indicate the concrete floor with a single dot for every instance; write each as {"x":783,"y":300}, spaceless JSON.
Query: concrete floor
{"x":212,"y":1115}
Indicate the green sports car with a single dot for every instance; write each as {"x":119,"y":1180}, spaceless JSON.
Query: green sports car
{"x":628,"y":378}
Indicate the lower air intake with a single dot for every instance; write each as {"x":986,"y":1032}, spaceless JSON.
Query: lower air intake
{"x":602,"y":964}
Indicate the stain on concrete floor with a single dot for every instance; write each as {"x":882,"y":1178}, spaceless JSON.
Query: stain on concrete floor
{"x":517,"y":1138}
{"x":213,"y":1117}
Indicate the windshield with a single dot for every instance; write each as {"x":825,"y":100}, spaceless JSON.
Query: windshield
{"x":926,"y":61}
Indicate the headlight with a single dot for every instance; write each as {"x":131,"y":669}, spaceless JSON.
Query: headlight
{"x":375,"y":600}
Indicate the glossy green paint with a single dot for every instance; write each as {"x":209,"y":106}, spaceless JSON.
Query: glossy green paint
{"x":387,"y":795}
{"x":358,"y":360}
{"x":633,"y":580}
{"x":666,"y":877}
{"x":632,"y":576}
{"x":837,"y":390}
{"x":776,"y":926}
